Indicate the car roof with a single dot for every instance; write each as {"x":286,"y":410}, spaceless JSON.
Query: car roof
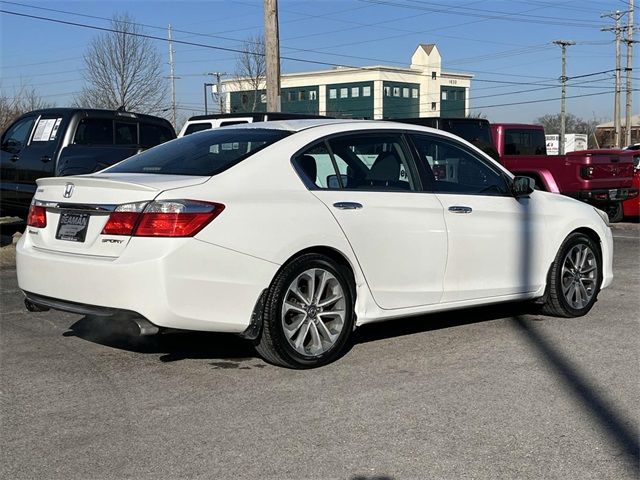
{"x":97,"y":112}
{"x":298,"y":125}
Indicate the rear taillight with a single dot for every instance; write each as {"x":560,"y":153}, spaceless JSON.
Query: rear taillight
{"x":587,"y":172}
{"x":37,"y":216}
{"x":163,"y":218}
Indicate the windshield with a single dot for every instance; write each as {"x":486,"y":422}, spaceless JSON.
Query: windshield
{"x":203,"y":154}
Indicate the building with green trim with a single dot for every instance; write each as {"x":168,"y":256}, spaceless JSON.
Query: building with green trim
{"x":376,"y":92}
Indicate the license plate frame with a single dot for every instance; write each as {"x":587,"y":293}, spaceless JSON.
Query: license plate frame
{"x":72,"y":227}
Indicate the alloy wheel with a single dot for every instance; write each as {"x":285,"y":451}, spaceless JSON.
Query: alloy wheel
{"x":579,"y":276}
{"x":313,"y":312}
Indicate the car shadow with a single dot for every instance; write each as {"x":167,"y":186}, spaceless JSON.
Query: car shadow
{"x":175,"y":345}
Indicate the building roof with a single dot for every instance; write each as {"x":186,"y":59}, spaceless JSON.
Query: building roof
{"x":427,"y":47}
{"x":635,"y":122}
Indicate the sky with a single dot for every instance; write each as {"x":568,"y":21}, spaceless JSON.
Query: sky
{"x":506,"y":44}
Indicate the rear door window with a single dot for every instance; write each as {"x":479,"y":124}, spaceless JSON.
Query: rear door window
{"x":46,"y":129}
{"x":525,"y":142}
{"x":94,"y":131}
{"x":201,"y":155}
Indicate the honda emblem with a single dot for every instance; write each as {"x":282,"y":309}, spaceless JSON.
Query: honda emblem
{"x":68,"y":190}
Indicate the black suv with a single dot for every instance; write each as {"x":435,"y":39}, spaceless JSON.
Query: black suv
{"x":56,"y":142}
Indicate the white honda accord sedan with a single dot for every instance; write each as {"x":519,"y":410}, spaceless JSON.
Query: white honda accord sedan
{"x":293,"y":233}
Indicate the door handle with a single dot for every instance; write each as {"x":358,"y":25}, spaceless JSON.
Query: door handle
{"x":460,"y":209}
{"x":14,"y":158}
{"x":347,"y":205}
{"x":45,"y":158}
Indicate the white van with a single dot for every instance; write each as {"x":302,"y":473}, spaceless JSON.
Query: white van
{"x":207,"y":122}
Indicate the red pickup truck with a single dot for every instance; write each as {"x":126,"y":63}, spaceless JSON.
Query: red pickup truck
{"x":600,"y":177}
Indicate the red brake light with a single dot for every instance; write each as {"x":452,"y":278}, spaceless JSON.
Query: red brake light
{"x":37,"y":216}
{"x":172,"y":224}
{"x":121,"y":223}
{"x":163,"y":218}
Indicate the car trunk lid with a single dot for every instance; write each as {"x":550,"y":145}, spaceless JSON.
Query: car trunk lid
{"x":78,"y":208}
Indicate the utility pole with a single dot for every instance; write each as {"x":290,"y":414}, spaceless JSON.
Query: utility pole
{"x":218,"y":75}
{"x":617,"y":15}
{"x":628,"y":71}
{"x":563,"y":101}
{"x":272,"y":47}
{"x":172,"y":76}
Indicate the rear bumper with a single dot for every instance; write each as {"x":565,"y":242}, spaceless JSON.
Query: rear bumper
{"x":601,"y":196}
{"x":173,"y":283}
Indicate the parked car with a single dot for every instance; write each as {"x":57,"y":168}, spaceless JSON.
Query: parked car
{"x":69,"y":141}
{"x":632,"y":206}
{"x":291,"y":233}
{"x":207,"y":122}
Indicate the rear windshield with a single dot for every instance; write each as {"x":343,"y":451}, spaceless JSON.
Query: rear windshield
{"x":525,"y":142}
{"x":205,"y":154}
{"x":477,"y":132}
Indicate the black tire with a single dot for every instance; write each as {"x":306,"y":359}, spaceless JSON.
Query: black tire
{"x":615,"y":212}
{"x":556,"y":303}
{"x":272,"y":345}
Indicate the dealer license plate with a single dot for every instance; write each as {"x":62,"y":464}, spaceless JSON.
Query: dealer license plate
{"x":73,"y":227}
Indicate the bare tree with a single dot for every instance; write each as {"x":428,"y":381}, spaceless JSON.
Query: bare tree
{"x":123,"y":70}
{"x":251,"y":69}
{"x":574,"y":124}
{"x":23,"y":100}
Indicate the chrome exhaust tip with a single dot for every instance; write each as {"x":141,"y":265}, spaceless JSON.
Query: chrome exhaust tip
{"x":145,"y":326}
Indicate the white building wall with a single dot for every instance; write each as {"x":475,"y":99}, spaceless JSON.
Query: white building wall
{"x":425,"y":61}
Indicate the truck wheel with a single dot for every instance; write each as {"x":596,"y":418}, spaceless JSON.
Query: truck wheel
{"x":575,"y":278}
{"x":615,"y":212}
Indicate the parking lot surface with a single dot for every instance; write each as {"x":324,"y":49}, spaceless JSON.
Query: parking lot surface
{"x":479,"y":393}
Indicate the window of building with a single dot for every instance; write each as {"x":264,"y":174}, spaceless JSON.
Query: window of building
{"x":444,"y":95}
{"x":302,"y":95}
{"x":332,"y":93}
{"x":434,"y":75}
{"x":366,"y":91}
{"x":244,"y":99}
{"x":387,"y":91}
{"x":344,"y":92}
{"x":263,"y":98}
{"x":313,"y":95}
{"x":405,"y":92}
{"x":291,"y":96}
{"x":355,"y":91}
{"x":396,"y":91}
{"x":433,"y":105}
{"x":414,"y":93}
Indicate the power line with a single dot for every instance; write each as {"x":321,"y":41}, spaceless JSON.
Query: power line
{"x":485,"y":13}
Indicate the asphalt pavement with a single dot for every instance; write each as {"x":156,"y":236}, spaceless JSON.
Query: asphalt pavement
{"x":479,"y":393}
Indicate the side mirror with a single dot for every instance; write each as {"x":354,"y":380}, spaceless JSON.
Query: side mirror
{"x":522,"y":186}
{"x":332,"y":181}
